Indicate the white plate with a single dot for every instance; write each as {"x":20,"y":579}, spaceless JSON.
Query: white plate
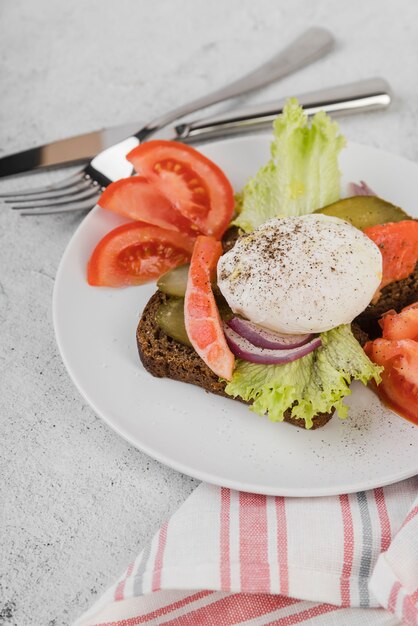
{"x":211,"y":438}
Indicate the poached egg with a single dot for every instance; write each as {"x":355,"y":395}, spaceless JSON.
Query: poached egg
{"x":303,"y":274}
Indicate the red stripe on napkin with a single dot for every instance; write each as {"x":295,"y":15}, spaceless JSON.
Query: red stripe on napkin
{"x":394,"y":596}
{"x":119,"y":591}
{"x":282,"y":544}
{"x":142,"y":619}
{"x":162,"y":540}
{"x":410,"y":516}
{"x":233,"y":609}
{"x":224,"y":539}
{"x":409,"y":612}
{"x":297,"y":618}
{"x":348,"y":549}
{"x":255,"y":570}
{"x":382,"y":511}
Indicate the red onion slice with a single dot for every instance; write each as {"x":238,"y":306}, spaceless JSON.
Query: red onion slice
{"x":360,"y":190}
{"x":264,"y":338}
{"x":243,"y":349}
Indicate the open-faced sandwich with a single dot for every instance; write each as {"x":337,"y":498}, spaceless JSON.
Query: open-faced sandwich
{"x":266,"y":299}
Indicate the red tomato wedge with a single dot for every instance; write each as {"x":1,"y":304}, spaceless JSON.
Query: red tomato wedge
{"x":382,"y":351}
{"x":403,"y":325}
{"x":196,"y":187}
{"x":139,"y":199}
{"x":398,"y":243}
{"x":399,"y":386}
{"x":136,"y":253}
{"x":201,"y":315}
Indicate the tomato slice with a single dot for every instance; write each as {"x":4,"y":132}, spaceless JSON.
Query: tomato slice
{"x":399,"y":386}
{"x":399,"y":393}
{"x":382,"y":351}
{"x":139,"y":199}
{"x":136,"y":253}
{"x":403,"y":325}
{"x":398,"y":243}
{"x":192,"y":183}
{"x":201,"y":315}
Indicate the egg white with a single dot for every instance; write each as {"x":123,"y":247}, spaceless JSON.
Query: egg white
{"x":303,"y":274}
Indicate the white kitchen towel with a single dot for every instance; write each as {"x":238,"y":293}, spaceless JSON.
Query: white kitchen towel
{"x":229,"y":557}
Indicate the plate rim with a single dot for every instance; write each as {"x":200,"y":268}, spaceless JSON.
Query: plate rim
{"x":210,"y":478}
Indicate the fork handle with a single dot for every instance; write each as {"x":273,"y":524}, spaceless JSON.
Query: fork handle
{"x":308,"y":47}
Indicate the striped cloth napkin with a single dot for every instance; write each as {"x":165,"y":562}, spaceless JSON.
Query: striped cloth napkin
{"x":228,"y":557}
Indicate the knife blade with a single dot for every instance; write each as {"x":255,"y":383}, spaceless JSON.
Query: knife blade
{"x":73,"y":150}
{"x":369,"y":94}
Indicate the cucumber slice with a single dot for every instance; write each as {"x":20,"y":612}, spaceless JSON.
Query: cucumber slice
{"x":170,"y":317}
{"x":365,"y":211}
{"x":174,"y":282}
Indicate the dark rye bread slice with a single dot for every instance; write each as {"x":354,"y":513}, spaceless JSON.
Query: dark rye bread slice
{"x":165,"y":357}
{"x":396,"y":296}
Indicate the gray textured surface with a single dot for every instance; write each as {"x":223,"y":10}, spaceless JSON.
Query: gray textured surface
{"x":76,"y":501}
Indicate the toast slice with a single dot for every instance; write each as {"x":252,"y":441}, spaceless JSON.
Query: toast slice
{"x":165,"y":357}
{"x":395,"y":296}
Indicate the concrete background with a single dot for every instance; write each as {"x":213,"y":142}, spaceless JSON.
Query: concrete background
{"x":76,"y":501}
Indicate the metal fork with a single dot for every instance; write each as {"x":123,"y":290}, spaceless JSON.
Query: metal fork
{"x":81,"y":191}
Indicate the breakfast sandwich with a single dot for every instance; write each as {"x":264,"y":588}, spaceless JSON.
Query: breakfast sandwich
{"x":267,"y":298}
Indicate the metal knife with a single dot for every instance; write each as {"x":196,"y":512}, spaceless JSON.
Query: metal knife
{"x":370,"y":94}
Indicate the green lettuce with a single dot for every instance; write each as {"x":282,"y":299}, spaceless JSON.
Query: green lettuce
{"x":313,"y":384}
{"x":302,"y":174}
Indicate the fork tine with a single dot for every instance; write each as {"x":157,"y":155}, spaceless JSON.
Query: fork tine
{"x":78,"y":187}
{"x":91,"y":192}
{"x":71,"y":193}
{"x":85,"y":205}
{"x":63,"y":184}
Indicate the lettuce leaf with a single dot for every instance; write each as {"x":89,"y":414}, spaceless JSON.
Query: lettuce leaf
{"x":313,"y":384}
{"x":302,"y":174}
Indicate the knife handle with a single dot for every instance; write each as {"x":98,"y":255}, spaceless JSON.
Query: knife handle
{"x":365,"y":95}
{"x":308,"y":47}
